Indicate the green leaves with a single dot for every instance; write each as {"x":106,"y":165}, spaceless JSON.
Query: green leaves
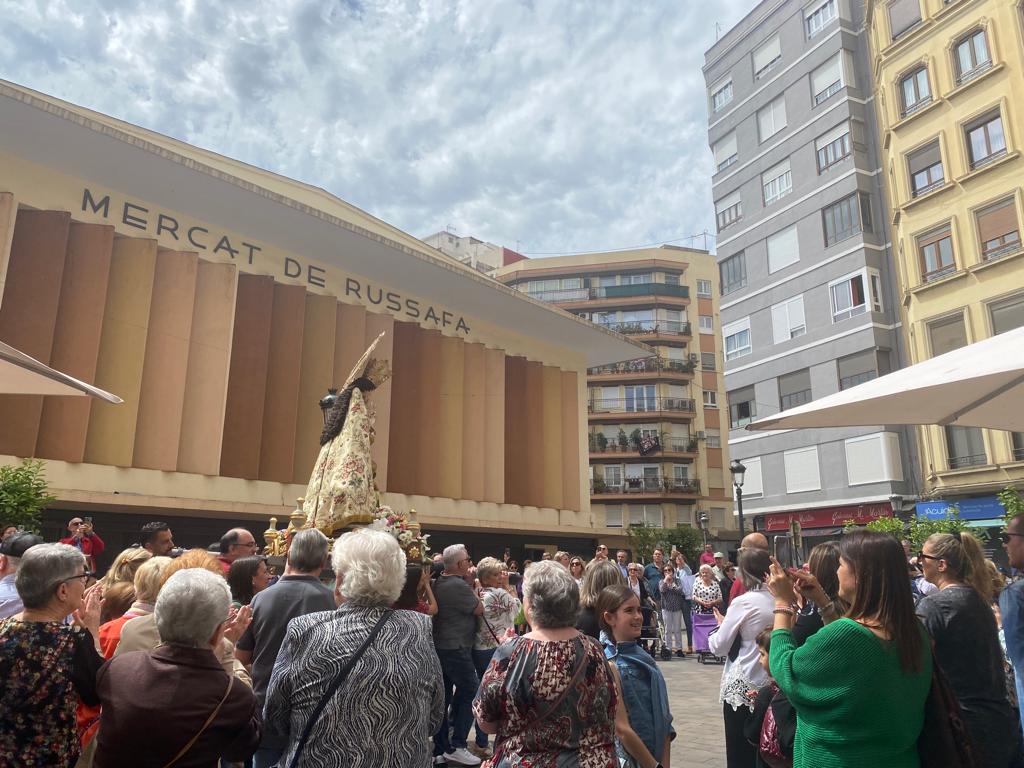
{"x":644,"y":538}
{"x":23,"y":494}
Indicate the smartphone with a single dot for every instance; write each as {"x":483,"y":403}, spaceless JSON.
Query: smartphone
{"x":88,"y":521}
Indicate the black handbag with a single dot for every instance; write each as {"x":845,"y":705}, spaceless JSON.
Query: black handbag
{"x":945,"y":741}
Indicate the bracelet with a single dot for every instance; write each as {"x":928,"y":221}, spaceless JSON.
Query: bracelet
{"x":829,"y":609}
{"x":788,"y":611}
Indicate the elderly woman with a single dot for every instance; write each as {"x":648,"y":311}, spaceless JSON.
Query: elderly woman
{"x":598,"y":575}
{"x":147,"y":586}
{"x":743,"y":675}
{"x":359,"y":686}
{"x":707,"y":595}
{"x":142,"y":696}
{"x":549,"y":695}
{"x":124,"y":567}
{"x":45,"y":663}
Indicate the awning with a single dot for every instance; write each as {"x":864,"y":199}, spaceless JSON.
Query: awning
{"x":24,"y":375}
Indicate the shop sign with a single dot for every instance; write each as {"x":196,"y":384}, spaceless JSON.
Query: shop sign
{"x":977,"y":508}
{"x":830,"y":517}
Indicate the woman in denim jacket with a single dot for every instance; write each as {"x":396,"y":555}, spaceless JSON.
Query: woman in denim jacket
{"x":643,"y":723}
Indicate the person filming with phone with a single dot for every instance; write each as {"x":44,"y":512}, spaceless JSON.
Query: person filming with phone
{"x":85,"y":540}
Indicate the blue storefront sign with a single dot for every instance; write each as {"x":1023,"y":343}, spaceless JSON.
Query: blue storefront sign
{"x":977,"y":508}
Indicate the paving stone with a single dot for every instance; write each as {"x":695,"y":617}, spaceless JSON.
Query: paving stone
{"x":696,"y":712}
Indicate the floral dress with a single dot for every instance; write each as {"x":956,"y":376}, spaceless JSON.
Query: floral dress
{"x":44,"y":668}
{"x":554,"y":702}
{"x":493,"y":626}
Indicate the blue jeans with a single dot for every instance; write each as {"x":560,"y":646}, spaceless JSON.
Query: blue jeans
{"x":459,"y":672}
{"x":480,"y":660}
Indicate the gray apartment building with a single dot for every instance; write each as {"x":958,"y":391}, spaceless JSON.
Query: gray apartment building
{"x":807,"y":304}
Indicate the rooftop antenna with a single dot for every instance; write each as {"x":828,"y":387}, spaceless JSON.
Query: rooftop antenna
{"x":718,"y":30}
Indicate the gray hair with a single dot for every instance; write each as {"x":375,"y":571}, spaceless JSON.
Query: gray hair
{"x":705,"y":567}
{"x":190,"y":607}
{"x":488,"y":567}
{"x":553,"y":595}
{"x":369,"y":566}
{"x":754,"y":564}
{"x":43,"y":568}
{"x":308,"y":550}
{"x":452,"y":554}
{"x":598,"y":575}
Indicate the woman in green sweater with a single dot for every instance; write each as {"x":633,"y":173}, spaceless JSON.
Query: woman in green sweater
{"x":859,"y":684}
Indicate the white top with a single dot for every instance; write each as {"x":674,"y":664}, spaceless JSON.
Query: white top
{"x":748,"y":614}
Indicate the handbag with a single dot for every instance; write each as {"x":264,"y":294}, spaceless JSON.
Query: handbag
{"x":335,"y":684}
{"x":769,"y":746}
{"x":944,"y":741}
{"x":209,"y":720}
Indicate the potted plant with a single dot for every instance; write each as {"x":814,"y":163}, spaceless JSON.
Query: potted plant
{"x":623,"y":440}
{"x":591,"y":441}
{"x":602,"y":442}
{"x":599,"y":486}
{"x":634,"y":438}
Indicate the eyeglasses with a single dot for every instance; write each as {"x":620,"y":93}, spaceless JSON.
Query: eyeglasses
{"x":1005,"y":536}
{"x":83,"y":576}
{"x":923,"y":556}
{"x":466,"y":560}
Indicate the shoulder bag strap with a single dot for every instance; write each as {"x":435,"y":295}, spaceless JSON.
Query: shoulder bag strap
{"x":329,"y":693}
{"x":201,"y":731}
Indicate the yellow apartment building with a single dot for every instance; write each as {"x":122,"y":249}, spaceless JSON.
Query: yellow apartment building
{"x":657,"y":448}
{"x":949,"y":78}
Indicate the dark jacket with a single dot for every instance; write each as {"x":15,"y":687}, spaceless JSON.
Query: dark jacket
{"x":154,"y":702}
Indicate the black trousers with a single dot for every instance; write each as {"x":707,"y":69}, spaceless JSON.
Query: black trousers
{"x":688,"y":621}
{"x":739,"y":753}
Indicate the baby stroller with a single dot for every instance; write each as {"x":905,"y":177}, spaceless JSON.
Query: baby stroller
{"x":703,"y":625}
{"x":651,"y":637}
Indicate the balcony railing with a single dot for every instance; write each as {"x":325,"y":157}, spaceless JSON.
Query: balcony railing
{"x":644,"y":365}
{"x":564,"y":295}
{"x":670,"y":445}
{"x":645,"y":485}
{"x":645,"y":327}
{"x":968,"y":460}
{"x":641,"y":405}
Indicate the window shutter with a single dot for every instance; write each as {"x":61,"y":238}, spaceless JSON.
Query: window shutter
{"x":780,"y":324}
{"x":835,"y":133}
{"x":825,"y":75}
{"x":802,"y":473}
{"x":725,"y":148}
{"x":727,"y":202}
{"x":767,"y":53}
{"x":854,"y":365}
{"x":752,"y":482}
{"x":933,"y":237}
{"x":923,"y":158}
{"x":903,"y":14}
{"x":783,"y":249}
{"x":998,"y":220}
{"x":792,"y":383}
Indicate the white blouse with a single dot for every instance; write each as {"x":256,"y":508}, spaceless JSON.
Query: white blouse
{"x":748,"y":614}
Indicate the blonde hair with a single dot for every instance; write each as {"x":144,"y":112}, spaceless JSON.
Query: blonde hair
{"x":125,"y":566}
{"x":149,"y":577}
{"x":194,"y":558}
{"x":488,"y":567}
{"x":965,"y":558}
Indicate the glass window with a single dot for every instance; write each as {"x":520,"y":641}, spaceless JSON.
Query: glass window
{"x":728,"y":210}
{"x":725,"y":152}
{"x":721,"y":96}
{"x":985,"y":139}
{"x":742,"y":408}
{"x":947,"y":334}
{"x":737,"y":339}
{"x":704,"y":288}
{"x":707,"y":361}
{"x":925,"y":166}
{"x":640,"y":398}
{"x":707,"y":324}
{"x":795,"y":388}
{"x":833,"y":147}
{"x":998,"y":230}
{"x":671,"y":279}
{"x":710,"y":398}
{"x":642,"y":279}
{"x":820,"y":17}
{"x":788,"y":320}
{"x":904,"y":15}
{"x":965,"y":447}
{"x":767,"y":56}
{"x":935,"y":251}
{"x":971,"y":56}
{"x":783,"y":249}
{"x":827,"y":80}
{"x":914,"y":91}
{"x":772,"y":118}
{"x":777,"y":182}
{"x":713,"y":438}
{"x":858,"y":368}
{"x":841,"y":220}
{"x":849,"y":297}
{"x":1007,"y":314}
{"x":733,"y":271}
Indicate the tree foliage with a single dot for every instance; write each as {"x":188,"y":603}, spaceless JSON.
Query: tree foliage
{"x":1012,"y":503}
{"x":644,"y":538}
{"x":23,"y":494}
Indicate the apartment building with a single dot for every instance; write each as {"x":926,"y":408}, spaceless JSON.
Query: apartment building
{"x":657,"y":444}
{"x":951,"y":148}
{"x":479,"y":254}
{"x":807,"y":304}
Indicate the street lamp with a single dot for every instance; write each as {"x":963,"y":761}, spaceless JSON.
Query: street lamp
{"x":703,"y":521}
{"x":327,"y":402}
{"x":738,"y":471}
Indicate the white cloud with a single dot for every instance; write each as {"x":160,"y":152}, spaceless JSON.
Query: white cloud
{"x":560,"y":125}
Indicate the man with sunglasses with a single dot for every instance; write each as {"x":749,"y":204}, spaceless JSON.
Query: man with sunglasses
{"x":1011,"y":604}
{"x":85,"y":540}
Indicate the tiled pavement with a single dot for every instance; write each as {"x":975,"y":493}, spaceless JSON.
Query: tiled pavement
{"x":696,"y":713}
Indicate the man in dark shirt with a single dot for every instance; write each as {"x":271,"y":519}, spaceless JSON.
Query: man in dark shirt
{"x":454,"y":631}
{"x":297,"y":593}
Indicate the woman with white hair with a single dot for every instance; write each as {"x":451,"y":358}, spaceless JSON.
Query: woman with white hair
{"x":359,"y":686}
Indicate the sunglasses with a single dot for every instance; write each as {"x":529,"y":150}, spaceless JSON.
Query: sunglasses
{"x":1006,"y":535}
{"x":923,"y":556}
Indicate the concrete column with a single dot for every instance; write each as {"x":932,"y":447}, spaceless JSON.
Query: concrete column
{"x":449,"y":435}
{"x":494,"y":426}
{"x":209,"y":363}
{"x":380,"y":398}
{"x":573,"y":441}
{"x":111,"y":436}
{"x":533,"y":415}
{"x":8,"y":214}
{"x":28,"y":315}
{"x":76,"y":339}
{"x":474,"y":409}
{"x":402,"y":442}
{"x":349,"y":340}
{"x":164,"y":373}
{"x":428,"y":416}
{"x":551,"y":442}
{"x":317,"y":374}
{"x":517,"y":442}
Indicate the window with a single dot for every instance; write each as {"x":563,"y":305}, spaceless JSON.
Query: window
{"x":965,"y":447}
{"x":737,"y":339}
{"x":777,"y":182}
{"x":728,"y":210}
{"x":707,"y":324}
{"x":641,"y":279}
{"x":985,"y":139}
{"x":820,"y":17}
{"x":710,"y":398}
{"x":671,"y":278}
{"x":935,"y":252}
{"x":766,"y":57}
{"x":1018,"y":445}
{"x":742,"y":409}
{"x":753,"y":485}
{"x":707,"y":361}
{"x":998,"y":230}
{"x":858,"y":368}
{"x":971,"y":56}
{"x":721,"y":96}
{"x":725,"y":152}
{"x":850,"y":295}
{"x":712,"y":438}
{"x":771,"y":119}
{"x":640,"y":398}
{"x":612,"y":515}
{"x":613,"y":478}
{"x":833,"y":146}
{"x":646,"y":514}
{"x":802,"y":473}
{"x":914,"y":91}
{"x":903,"y":16}
{"x":925,"y":166}
{"x":846,"y":218}
{"x":783,"y":249}
{"x":733,"y":271}
{"x":947,"y":334}
{"x":704,"y":289}
{"x":873,"y":458}
{"x":1007,"y":314}
{"x":795,"y":388}
{"x":788,"y":320}
{"x":827,"y":80}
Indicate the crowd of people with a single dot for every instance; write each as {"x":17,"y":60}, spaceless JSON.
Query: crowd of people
{"x":200,"y":658}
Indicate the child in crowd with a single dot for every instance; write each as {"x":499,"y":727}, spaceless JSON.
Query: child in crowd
{"x":772,"y":727}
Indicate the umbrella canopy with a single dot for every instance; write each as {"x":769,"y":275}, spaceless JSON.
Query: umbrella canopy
{"x":24,"y":375}
{"x":980,"y":385}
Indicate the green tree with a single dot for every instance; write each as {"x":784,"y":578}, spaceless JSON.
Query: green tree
{"x":921,"y":528}
{"x":1012,"y":503}
{"x":891,"y":525}
{"x":644,"y":538}
{"x":23,"y":494}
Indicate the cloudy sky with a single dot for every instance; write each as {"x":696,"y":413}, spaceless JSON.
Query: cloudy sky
{"x":554,"y":125}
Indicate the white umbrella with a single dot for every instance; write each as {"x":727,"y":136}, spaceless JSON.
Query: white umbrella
{"x":24,"y":375}
{"x":980,"y":385}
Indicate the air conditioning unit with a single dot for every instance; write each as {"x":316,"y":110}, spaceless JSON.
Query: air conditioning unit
{"x":702,"y":435}
{"x":694,"y":357}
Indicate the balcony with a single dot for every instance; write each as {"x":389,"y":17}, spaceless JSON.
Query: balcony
{"x":611,"y":292}
{"x":633,"y":447}
{"x":647,"y":488}
{"x":645,"y":368}
{"x":643,"y":409}
{"x":671,"y":330}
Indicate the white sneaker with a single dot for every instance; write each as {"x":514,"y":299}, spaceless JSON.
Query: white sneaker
{"x":440,"y":760}
{"x":462,"y":756}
